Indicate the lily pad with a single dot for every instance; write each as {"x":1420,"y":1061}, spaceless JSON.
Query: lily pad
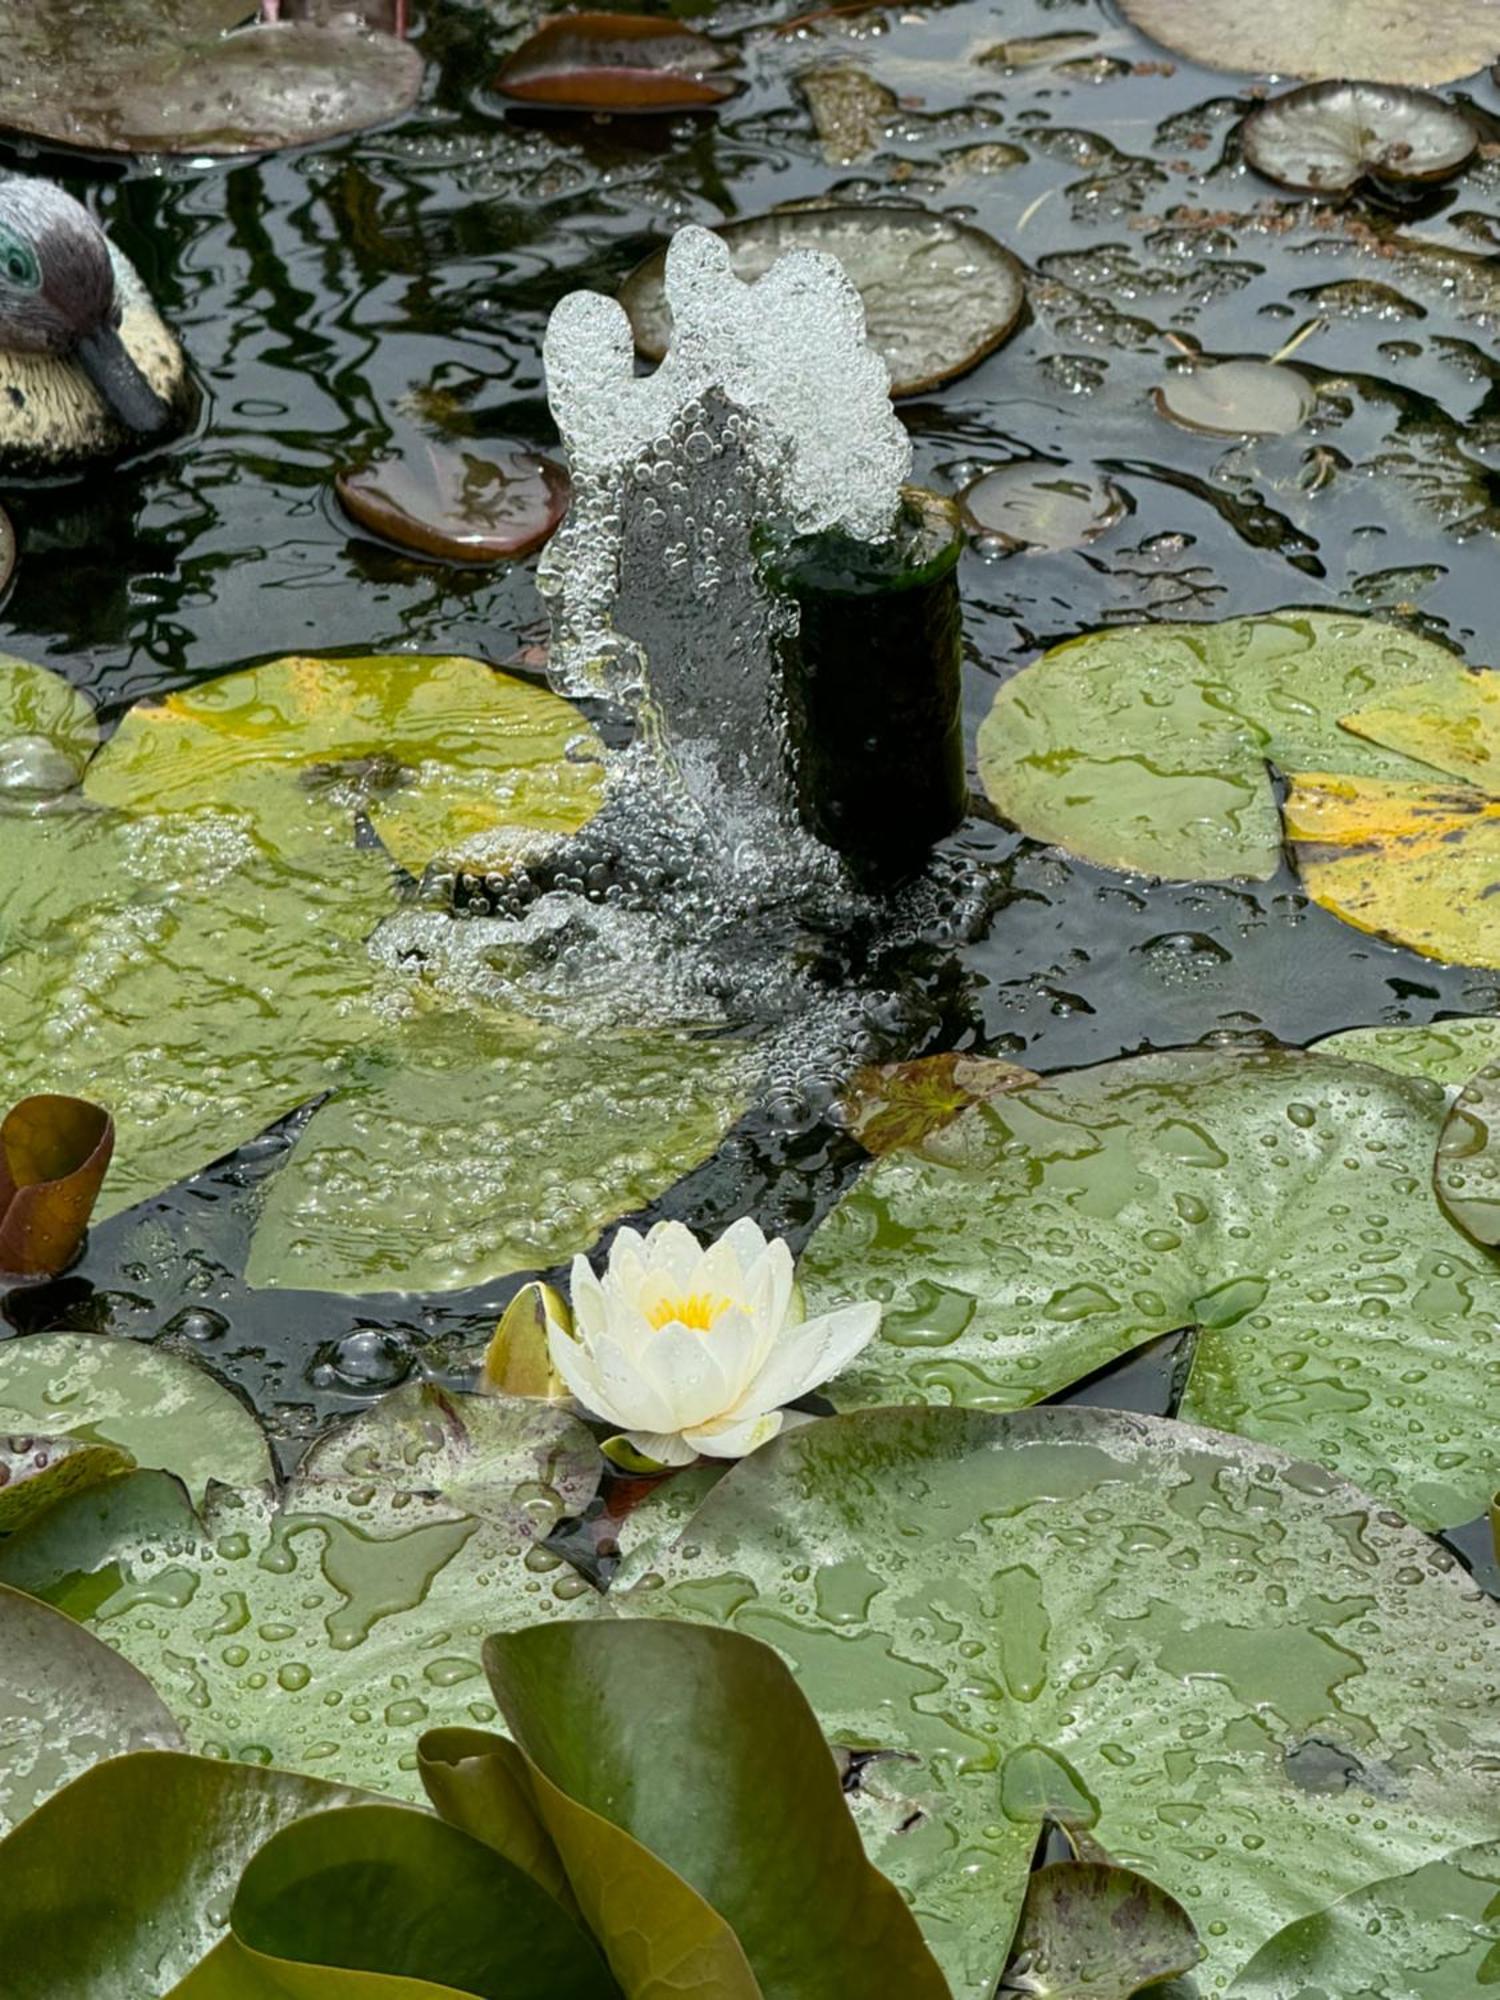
{"x":1447,"y":1052}
{"x":167,"y":1836}
{"x":1432,"y":1934}
{"x":1038,"y":506}
{"x":1092,"y":1932}
{"x":1277,"y":1202}
{"x":66,"y":1702}
{"x":302,"y":744}
{"x":939,"y":295}
{"x":1146,"y":747}
{"x":1327,"y":137}
{"x":889,"y":1105}
{"x":47,"y":733}
{"x":38,"y":1471}
{"x":1237,"y":399}
{"x":326,"y":1632}
{"x":1389,"y":41}
{"x":165,"y":1411}
{"x":850,"y":111}
{"x":54,"y":1154}
{"x":616,"y":62}
{"x":1416,"y":860}
{"x":468,"y":505}
{"x":1232,"y":1668}
{"x":161,"y":76}
{"x":1468,"y":1159}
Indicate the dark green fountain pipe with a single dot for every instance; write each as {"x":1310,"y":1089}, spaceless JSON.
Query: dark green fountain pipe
{"x":873,"y":688}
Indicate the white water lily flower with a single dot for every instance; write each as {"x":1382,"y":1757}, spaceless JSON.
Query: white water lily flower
{"x":691,"y":1350}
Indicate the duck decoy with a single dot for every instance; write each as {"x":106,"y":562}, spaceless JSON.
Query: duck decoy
{"x":88,"y":367}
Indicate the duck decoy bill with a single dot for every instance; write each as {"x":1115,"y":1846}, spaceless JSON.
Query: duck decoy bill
{"x":106,"y":361}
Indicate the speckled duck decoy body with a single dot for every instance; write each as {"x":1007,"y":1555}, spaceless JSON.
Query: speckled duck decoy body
{"x":89,"y":370}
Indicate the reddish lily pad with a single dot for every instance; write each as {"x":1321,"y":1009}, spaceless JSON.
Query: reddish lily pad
{"x":54,"y":1154}
{"x":459,"y":505}
{"x":616,"y":62}
{"x":939,"y":295}
{"x":1327,"y":137}
{"x":162,"y":76}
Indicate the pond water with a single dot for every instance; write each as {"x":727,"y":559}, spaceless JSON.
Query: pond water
{"x":321,"y":293}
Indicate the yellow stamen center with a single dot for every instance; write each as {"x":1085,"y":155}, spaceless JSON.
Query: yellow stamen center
{"x":699,"y":1310}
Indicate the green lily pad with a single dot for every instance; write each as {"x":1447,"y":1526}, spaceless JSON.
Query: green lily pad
{"x":66,"y":1702}
{"x":1388,"y":41}
{"x":473,"y":1148}
{"x":729,"y":1782}
{"x":1146,"y":748}
{"x":1448,"y":1052}
{"x":1232,"y":1669}
{"x":302,"y":744}
{"x":1092,"y":1932}
{"x":1327,"y":137}
{"x":1433,"y":1934}
{"x":326,"y":1633}
{"x":47,"y":733}
{"x":1415,"y":858}
{"x":939,"y":295}
{"x":121,"y":1882}
{"x":160,"y":1408}
{"x":1279,"y":1203}
{"x":37,"y":1472}
{"x":1467,"y":1169}
{"x":1237,"y":399}
{"x":162,"y":76}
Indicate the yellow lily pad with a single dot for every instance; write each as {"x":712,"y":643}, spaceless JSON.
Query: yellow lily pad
{"x":1416,"y":863}
{"x":448,"y":759}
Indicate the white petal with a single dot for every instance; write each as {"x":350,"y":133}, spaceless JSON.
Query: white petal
{"x":636,"y":1401}
{"x":586,"y":1296}
{"x":809,"y":1355}
{"x":724,"y":1266}
{"x":672,"y":1247}
{"x":734,"y":1440}
{"x":684,"y":1369}
{"x":576,"y":1366}
{"x":666,"y":1447}
{"x":768,"y":1288}
{"x":626,"y":1266}
{"x":738,"y":1349}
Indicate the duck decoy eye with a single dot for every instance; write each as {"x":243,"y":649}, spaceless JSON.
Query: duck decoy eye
{"x":20,"y":269}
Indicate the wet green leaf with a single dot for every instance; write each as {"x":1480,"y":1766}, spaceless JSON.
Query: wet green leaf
{"x":939,"y":295}
{"x":1468,"y":1158}
{"x":325,"y":1633}
{"x":1279,"y":1203}
{"x":408,"y":1906}
{"x":120,"y":1883}
{"x":1433,"y":1934}
{"x":1447,"y":1052}
{"x":47,"y":732}
{"x":903,"y":1104}
{"x":36,"y":1472}
{"x":1147,"y":748}
{"x":1326,"y":137}
{"x":518,"y":1360}
{"x":1388,"y":41}
{"x":1089,"y":1931}
{"x":163,"y":1410}
{"x":160,"y":76}
{"x":729,"y":1782}
{"x":66,"y":1703}
{"x":1243,"y":1673}
{"x":1415,"y":859}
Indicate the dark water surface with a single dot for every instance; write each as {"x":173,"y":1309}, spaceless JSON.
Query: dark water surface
{"x":319,"y":293}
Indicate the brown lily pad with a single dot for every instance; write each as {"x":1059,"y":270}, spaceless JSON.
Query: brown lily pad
{"x":1090,"y":1931}
{"x":891,"y":1106}
{"x":1327,"y":137}
{"x":459,"y":505}
{"x":162,"y":76}
{"x":54,"y":1154}
{"x":616,"y":62}
{"x":939,"y":295}
{"x":1388,"y":41}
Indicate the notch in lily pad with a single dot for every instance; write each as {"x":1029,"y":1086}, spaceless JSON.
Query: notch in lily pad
{"x":1326,"y":138}
{"x":616,"y":62}
{"x":54,"y":1154}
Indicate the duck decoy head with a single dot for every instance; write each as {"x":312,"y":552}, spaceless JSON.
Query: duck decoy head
{"x":58,"y":297}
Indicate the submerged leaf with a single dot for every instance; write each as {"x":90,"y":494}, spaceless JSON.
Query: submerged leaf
{"x":939,"y":295}
{"x":162,"y":1409}
{"x":1326,"y":137}
{"x":888,"y":1105}
{"x":54,"y":1154}
{"x":47,"y":734}
{"x":1279,"y":1203}
{"x":459,"y":505}
{"x":1237,"y":399}
{"x":1089,"y":1931}
{"x":850,"y":110}
{"x":66,"y":1702}
{"x":616,"y":62}
{"x":1164,"y":735}
{"x":1035,"y":505}
{"x":1388,"y":41}
{"x":1217,"y":1654}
